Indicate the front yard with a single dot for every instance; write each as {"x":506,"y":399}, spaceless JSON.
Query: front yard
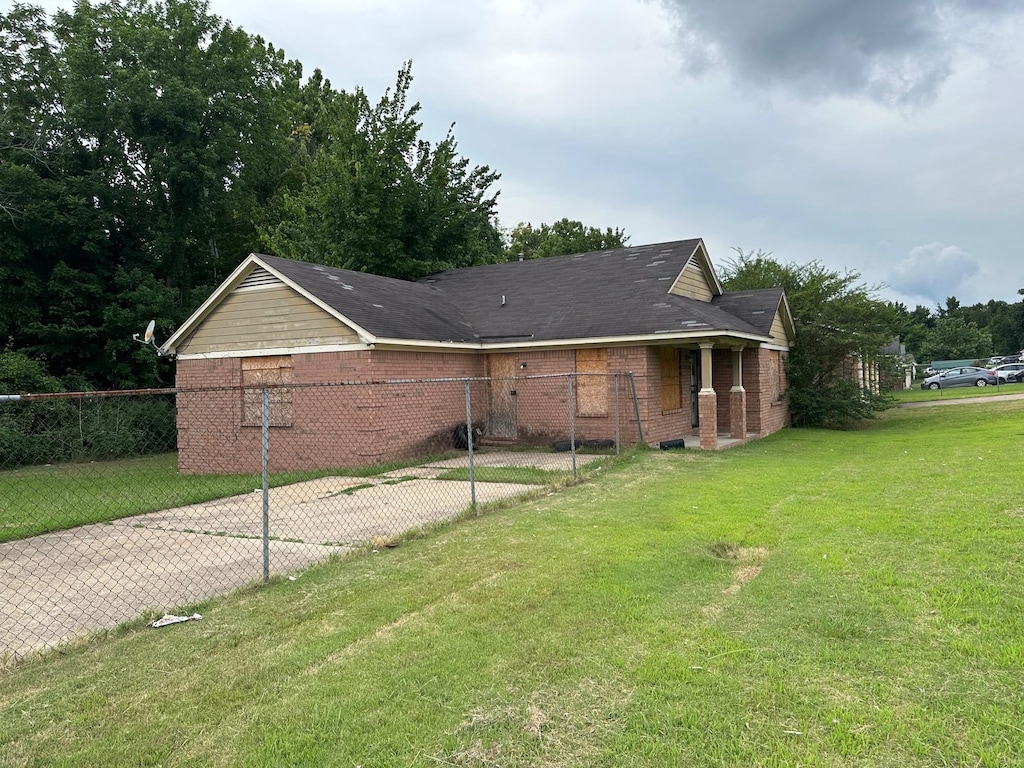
{"x":814,"y":598}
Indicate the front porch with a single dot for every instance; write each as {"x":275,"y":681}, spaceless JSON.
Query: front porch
{"x":715,"y":396}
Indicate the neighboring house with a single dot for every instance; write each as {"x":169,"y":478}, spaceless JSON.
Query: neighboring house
{"x":898,"y":375}
{"x":706,"y":363}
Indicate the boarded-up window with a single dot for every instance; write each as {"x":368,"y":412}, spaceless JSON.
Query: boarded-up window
{"x":592,"y":390}
{"x":273,"y":373}
{"x":671,"y":379}
{"x":776,"y":375}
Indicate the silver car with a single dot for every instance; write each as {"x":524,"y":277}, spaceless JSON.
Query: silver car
{"x":1008,"y":371}
{"x":960,"y":377}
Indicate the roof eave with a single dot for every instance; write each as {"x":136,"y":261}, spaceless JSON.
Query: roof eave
{"x":657,"y":338}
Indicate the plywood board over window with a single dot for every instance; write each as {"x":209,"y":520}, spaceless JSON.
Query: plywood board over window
{"x":273,"y":373}
{"x":671,"y":379}
{"x":776,"y":376}
{"x":592,"y":388}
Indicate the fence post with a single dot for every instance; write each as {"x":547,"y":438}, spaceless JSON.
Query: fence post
{"x":572,"y":427}
{"x":265,"y":434}
{"x":636,"y":406}
{"x":469,"y":445}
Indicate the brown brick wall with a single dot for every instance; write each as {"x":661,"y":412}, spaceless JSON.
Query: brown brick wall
{"x":351,"y":424}
{"x":764,"y":415}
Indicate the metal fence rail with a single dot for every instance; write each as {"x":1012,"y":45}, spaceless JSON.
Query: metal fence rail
{"x":120,"y":505}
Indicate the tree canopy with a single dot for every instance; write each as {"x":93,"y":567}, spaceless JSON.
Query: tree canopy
{"x":958,"y":332}
{"x":147,"y":146}
{"x":837,"y":320}
{"x":562,"y":237}
{"x":374,"y":196}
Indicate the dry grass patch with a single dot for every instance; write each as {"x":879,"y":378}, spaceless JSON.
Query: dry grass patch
{"x":563,"y":727}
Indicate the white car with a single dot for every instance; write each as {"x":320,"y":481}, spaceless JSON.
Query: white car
{"x":1008,"y":371}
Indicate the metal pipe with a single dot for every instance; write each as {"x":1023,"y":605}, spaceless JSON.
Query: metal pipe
{"x":265,"y":433}
{"x":469,"y":443}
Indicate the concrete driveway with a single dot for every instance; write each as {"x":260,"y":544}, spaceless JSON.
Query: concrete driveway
{"x":59,"y":586}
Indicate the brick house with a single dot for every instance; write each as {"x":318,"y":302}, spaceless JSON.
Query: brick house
{"x":708,"y":364}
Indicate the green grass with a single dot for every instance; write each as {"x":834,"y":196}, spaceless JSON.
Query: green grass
{"x":918,"y":395}
{"x":524,"y":475}
{"x":815,"y":598}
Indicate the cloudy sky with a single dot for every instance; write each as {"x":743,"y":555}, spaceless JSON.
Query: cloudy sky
{"x":884,"y":137}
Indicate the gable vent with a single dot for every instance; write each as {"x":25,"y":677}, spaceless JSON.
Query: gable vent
{"x":259,"y":278}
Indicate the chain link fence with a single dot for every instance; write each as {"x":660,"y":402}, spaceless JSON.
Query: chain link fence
{"x":121,"y":505}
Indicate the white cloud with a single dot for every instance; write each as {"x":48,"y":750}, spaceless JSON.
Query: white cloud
{"x":934,"y":272}
{"x":787,"y":140}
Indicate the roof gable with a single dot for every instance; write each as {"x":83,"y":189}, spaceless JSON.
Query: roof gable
{"x":697,"y":279}
{"x":764,"y":308}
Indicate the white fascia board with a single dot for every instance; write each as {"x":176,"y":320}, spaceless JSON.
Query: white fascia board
{"x":787,"y":317}
{"x":274,"y":351}
{"x":604,"y":341}
{"x":718,"y":290}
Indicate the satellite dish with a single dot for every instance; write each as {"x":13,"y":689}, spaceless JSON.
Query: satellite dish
{"x":148,"y":337}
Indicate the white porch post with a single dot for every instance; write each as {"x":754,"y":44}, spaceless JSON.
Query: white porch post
{"x":707,"y":401}
{"x":737,"y":398}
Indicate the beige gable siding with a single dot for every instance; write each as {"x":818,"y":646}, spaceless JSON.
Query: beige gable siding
{"x":778,"y":331}
{"x":266,"y":318}
{"x":693,"y":283}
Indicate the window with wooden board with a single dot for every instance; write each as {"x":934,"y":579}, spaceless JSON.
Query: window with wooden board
{"x":273,"y":373}
{"x":671,"y":379}
{"x":592,"y":391}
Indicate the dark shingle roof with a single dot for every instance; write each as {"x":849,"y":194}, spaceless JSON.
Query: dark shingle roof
{"x":757,"y":307}
{"x":588,"y":295}
{"x":387,"y":308}
{"x":600,"y":294}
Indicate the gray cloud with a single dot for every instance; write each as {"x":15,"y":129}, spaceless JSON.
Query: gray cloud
{"x":893,"y":51}
{"x":934,"y":272}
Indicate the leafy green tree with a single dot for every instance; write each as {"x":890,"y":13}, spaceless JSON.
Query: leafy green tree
{"x":20,"y":375}
{"x":365,"y":192}
{"x":562,"y":237}
{"x":952,"y":338}
{"x":837,"y":320}
{"x":139,"y":140}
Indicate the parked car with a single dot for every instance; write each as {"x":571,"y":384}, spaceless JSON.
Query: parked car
{"x":1005,"y":371}
{"x":1008,"y":359}
{"x":961,"y":377}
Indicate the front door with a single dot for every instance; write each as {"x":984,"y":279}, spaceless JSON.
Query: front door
{"x":501,"y":421}
{"x":694,"y":389}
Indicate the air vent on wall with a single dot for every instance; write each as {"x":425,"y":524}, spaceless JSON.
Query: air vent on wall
{"x":259,"y":278}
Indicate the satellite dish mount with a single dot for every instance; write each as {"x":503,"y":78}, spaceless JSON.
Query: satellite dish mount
{"x":147,"y":337}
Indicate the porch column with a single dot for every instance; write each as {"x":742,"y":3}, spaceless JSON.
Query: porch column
{"x":737,"y":398}
{"x":707,"y":402}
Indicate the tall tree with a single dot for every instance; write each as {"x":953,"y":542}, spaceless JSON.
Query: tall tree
{"x":140,"y":136}
{"x":837,"y":320}
{"x":365,"y":192}
{"x":562,"y":237}
{"x":952,"y":338}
